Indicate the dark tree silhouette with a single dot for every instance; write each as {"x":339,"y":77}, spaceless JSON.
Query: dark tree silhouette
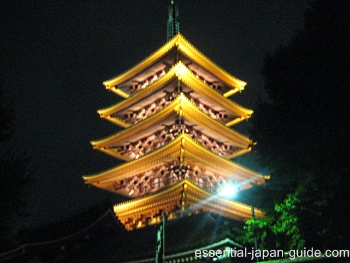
{"x":14,"y":174}
{"x":303,"y":130}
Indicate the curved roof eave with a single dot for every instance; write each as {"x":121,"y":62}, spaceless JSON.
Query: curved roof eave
{"x":187,"y":77}
{"x":209,"y":201}
{"x":172,"y":148}
{"x":189,"y":110}
{"x":190,"y":51}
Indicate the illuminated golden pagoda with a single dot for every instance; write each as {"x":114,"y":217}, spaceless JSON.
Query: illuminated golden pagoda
{"x":177,"y":143}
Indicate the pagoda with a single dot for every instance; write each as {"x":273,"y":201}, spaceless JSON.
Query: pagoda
{"x":177,"y":142}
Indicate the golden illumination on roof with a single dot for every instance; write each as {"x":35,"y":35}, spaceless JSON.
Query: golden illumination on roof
{"x":185,"y":149}
{"x":177,"y":142}
{"x":180,"y":199}
{"x":157,"y":122}
{"x":237,"y":112}
{"x":184,"y":47}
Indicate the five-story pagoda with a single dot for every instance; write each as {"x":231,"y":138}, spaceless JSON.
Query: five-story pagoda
{"x":177,"y":143}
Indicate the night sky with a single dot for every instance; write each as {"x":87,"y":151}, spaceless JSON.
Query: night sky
{"x":56,"y":55}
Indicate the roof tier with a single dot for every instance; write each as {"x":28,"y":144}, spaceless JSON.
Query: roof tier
{"x":164,"y":126}
{"x":165,"y":89}
{"x":178,"y":48}
{"x":179,"y":159}
{"x":183,"y":198}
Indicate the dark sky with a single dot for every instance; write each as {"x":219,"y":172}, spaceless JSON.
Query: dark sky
{"x":57,"y":54}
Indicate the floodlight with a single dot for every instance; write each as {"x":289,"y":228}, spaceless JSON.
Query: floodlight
{"x":229,"y":190}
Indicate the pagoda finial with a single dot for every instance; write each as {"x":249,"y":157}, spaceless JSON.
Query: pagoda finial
{"x":173,"y":26}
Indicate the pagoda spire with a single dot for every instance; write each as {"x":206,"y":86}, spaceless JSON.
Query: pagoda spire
{"x":173,"y":25}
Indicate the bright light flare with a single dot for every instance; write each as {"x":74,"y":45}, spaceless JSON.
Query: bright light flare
{"x":229,"y":190}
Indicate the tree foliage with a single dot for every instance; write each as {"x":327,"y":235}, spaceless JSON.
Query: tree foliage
{"x":280,"y":228}
{"x":303,"y":130}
